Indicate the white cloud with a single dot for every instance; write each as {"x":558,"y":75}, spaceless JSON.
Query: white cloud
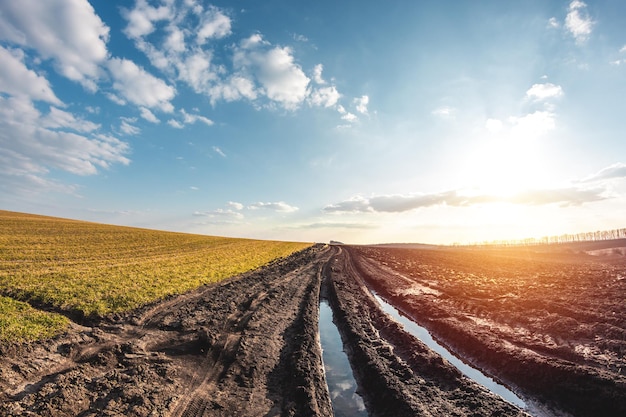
{"x":184,"y":54}
{"x":32,"y":144}
{"x":175,"y":41}
{"x":193,"y":118}
{"x":553,"y":23}
{"x":279,"y":206}
{"x":577,"y":22}
{"x":280,"y":78}
{"x":544,"y":91}
{"x":180,"y":38}
{"x":398,"y":203}
{"x":116,"y":99}
{"x":61,"y":119}
{"x":148,"y":115}
{"x":220,"y":213}
{"x":218,"y":151}
{"x":67,"y":31}
{"x":17,"y":79}
{"x":445,"y":112}
{"x":139,"y":87}
{"x":361,"y":104}
{"x":215,"y":24}
{"x":494,"y":125}
{"x":615,"y":171}
{"x":127,"y":128}
{"x":356,"y":204}
{"x":300,"y":38}
{"x":317,"y":74}
{"x":623,"y":49}
{"x":234,"y":205}
{"x":349,"y":117}
{"x":142,"y":17}
{"x":235,"y":88}
{"x":175,"y":124}
{"x":533,"y":125}
{"x":195,"y":69}
{"x":326,"y":97}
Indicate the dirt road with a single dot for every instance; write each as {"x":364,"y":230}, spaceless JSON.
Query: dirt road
{"x":247,"y":346}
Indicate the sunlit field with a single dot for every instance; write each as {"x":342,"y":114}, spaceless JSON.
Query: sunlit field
{"x":94,"y":269}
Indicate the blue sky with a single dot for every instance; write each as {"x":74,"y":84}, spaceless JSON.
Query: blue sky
{"x":361,"y":121}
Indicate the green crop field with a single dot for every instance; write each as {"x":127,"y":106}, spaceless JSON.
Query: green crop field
{"x":94,"y":269}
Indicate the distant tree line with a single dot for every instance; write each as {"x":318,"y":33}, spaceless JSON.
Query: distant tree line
{"x":565,"y":238}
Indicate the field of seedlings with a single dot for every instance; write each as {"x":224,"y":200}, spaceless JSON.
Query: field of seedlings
{"x":88,"y":269}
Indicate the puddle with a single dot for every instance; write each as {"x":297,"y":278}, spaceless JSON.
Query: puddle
{"x":422,"y":334}
{"x":341,"y":383}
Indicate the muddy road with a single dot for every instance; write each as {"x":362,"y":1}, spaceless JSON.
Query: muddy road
{"x":249,"y":346}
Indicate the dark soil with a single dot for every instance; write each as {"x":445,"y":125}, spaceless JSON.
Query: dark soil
{"x":548,"y":320}
{"x":398,"y":374}
{"x":249,"y":346}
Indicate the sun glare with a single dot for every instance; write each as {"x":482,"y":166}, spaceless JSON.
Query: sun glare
{"x":505,"y":167}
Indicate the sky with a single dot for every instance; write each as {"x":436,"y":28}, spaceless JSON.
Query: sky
{"x":440,"y":122}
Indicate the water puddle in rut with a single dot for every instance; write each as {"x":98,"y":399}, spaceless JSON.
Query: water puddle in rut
{"x":422,"y":334}
{"x":339,"y":377}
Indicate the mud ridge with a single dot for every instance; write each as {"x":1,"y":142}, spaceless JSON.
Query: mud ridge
{"x":397,"y":374}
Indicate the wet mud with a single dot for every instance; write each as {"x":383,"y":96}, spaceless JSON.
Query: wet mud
{"x":250,"y":346}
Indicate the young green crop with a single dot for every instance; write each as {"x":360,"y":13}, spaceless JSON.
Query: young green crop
{"x":96,"y":269}
{"x":20,"y":322}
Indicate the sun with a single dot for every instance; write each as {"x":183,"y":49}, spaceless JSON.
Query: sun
{"x":503,"y":167}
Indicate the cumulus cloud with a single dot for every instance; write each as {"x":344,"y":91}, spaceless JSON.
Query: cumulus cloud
{"x":336,"y":225}
{"x":235,"y":205}
{"x":32,"y":144}
{"x":553,"y":23}
{"x":175,"y":124}
{"x":127,"y":128}
{"x":356,"y":204}
{"x":214,"y":24}
{"x":617,"y":170}
{"x":142,"y":17}
{"x":139,"y":87}
{"x":317,"y":74}
{"x":533,"y":125}
{"x":193,"y":118}
{"x":544,"y":91}
{"x":220,"y":213}
{"x":398,"y":203}
{"x":148,"y":115}
{"x":66,"y":31}
{"x":577,"y":22}
{"x":361,"y":104}
{"x":279,"y":206}
{"x":494,"y":125}
{"x":181,"y":39}
{"x":17,"y":80}
{"x":324,"y":97}
{"x":280,"y":78}
{"x":57,"y":118}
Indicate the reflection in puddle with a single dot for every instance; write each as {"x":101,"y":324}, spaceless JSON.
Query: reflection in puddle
{"x":422,"y":334}
{"x":341,"y":383}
